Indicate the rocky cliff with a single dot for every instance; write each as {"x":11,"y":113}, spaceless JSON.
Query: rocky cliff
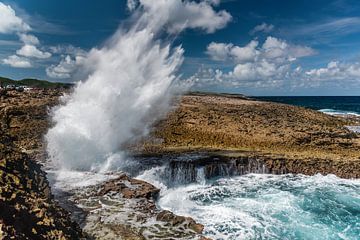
{"x":27,"y":208}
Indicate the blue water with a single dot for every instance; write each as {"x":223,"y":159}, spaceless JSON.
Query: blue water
{"x":258,"y":206}
{"x":350,"y":104}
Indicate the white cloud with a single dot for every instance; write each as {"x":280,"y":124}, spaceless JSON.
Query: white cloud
{"x":219,"y":51}
{"x":28,"y":39}
{"x":178,"y":15}
{"x":72,"y":58}
{"x":273,"y":49}
{"x":32,"y":51}
{"x":223,"y":51}
{"x":9,"y":22}
{"x":65,"y":68}
{"x":269,"y":63}
{"x":17,"y":62}
{"x":335,"y":71}
{"x":264,"y":27}
{"x":246,"y":53}
{"x":67,"y":50}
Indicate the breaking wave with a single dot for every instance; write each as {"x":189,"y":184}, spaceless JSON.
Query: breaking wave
{"x":260,"y":206}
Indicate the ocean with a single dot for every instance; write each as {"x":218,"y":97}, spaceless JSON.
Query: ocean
{"x":264,"y":206}
{"x":334,"y":105}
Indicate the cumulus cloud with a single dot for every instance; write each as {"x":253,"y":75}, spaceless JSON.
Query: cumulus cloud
{"x":273,"y":49}
{"x":273,"y":65}
{"x":219,"y":51}
{"x":269,"y":63}
{"x":264,"y":27}
{"x":32,"y":52}
{"x":178,"y":15}
{"x":72,"y":58}
{"x":222,"y":51}
{"x":17,"y":62}
{"x":335,"y":71}
{"x":9,"y":22}
{"x":65,"y":68}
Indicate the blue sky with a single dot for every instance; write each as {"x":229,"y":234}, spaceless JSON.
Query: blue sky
{"x":267,"y":47}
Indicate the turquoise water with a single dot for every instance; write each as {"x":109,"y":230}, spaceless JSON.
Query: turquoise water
{"x":258,"y":206}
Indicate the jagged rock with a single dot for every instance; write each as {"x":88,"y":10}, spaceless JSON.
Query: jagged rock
{"x":130,"y":188}
{"x":27,"y":208}
{"x":174,"y":220}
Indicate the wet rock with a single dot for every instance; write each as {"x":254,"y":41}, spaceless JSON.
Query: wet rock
{"x":175,"y":220}
{"x":130,"y":188}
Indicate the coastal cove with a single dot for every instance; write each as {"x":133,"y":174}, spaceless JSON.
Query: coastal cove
{"x":179,"y":120}
{"x":189,"y":154}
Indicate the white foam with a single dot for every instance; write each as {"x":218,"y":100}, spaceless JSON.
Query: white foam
{"x":258,"y":206}
{"x":66,"y":180}
{"x":339,"y":112}
{"x":355,"y":129}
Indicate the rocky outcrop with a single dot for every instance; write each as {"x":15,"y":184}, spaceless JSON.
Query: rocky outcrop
{"x":258,"y":137}
{"x":130,"y":188}
{"x":27,"y":208}
{"x":124,"y":208}
{"x":24,"y":117}
{"x":233,"y":163}
{"x":307,"y":141}
{"x":233,"y":123}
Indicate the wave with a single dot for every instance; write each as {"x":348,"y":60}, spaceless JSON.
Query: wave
{"x":259,"y":206}
{"x":334,"y":112}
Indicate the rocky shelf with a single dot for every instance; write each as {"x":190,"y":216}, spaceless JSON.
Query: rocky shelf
{"x":205,"y":135}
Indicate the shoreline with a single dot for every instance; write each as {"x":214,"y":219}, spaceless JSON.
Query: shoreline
{"x":270,"y":134}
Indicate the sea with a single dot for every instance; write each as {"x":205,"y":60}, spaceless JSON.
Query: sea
{"x":265,"y":206}
{"x":334,"y":105}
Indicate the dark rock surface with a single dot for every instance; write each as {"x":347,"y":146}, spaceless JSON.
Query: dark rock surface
{"x":27,"y":209}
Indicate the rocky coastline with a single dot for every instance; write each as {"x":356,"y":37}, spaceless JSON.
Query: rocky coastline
{"x":237,"y":136}
{"x":27,"y":207}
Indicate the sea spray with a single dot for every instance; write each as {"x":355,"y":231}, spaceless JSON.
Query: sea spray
{"x":130,"y":82}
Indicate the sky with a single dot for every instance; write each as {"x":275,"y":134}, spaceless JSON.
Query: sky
{"x":254,"y":47}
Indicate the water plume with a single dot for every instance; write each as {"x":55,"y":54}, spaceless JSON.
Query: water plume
{"x":130,"y":82}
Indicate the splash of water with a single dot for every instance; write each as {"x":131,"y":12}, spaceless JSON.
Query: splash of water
{"x":258,"y":206}
{"x":129,"y":84}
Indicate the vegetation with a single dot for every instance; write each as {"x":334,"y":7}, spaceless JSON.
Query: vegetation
{"x":35,"y":83}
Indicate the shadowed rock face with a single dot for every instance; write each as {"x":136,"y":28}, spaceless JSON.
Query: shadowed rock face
{"x":27,"y":210}
{"x":227,"y":164}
